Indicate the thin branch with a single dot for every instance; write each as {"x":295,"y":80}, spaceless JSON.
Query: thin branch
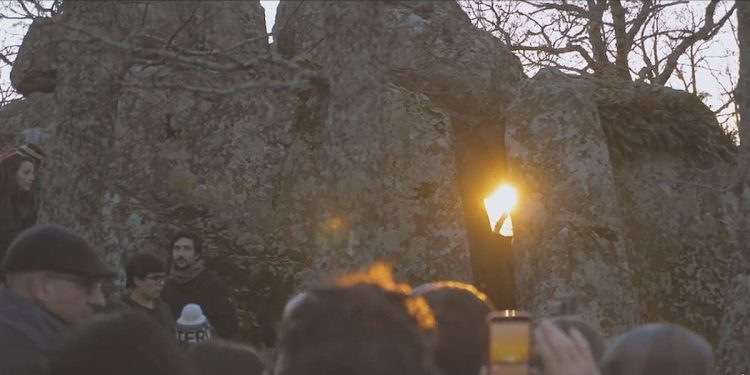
{"x":182,"y":27}
{"x":709,"y":29}
{"x":229,"y":89}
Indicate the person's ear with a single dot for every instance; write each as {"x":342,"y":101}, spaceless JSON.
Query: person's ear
{"x":138,"y":281}
{"x":41,"y":288}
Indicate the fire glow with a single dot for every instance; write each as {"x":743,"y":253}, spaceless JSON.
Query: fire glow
{"x":498,"y":207}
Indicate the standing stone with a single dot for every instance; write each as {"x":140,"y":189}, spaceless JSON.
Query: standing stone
{"x":626,"y":202}
{"x":732,"y":354}
{"x":569,"y":236}
{"x":671,"y":161}
{"x":387,"y":173}
{"x":31,"y":119}
{"x":35,"y":66}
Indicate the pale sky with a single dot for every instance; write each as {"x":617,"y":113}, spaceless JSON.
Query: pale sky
{"x":270,"y":7}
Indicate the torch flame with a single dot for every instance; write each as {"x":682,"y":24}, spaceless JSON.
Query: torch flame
{"x":498,"y":206}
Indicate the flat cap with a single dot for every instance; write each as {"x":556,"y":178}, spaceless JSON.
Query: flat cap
{"x":53,"y":248}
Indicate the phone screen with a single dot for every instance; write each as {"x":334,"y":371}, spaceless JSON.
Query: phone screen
{"x":510,"y":340}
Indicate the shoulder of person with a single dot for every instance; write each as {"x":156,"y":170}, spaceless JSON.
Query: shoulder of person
{"x":210,"y":276}
{"x":115,"y":303}
{"x":163,"y":305}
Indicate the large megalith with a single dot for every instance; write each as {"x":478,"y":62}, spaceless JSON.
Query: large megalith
{"x":627,"y":205}
{"x":570,"y":236}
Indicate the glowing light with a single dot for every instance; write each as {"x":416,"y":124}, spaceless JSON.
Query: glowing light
{"x":334,"y":224}
{"x":498,"y":207}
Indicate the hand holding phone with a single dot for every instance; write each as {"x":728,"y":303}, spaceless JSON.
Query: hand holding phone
{"x":564,"y":354}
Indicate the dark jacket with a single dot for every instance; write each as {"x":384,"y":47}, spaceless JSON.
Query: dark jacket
{"x":13,"y":221}
{"x":27,"y":331}
{"x":161,"y":311}
{"x":209,"y":291}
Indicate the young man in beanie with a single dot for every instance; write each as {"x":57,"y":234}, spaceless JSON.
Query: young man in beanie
{"x":191,"y":282}
{"x":53,"y":281}
{"x":145,"y":275}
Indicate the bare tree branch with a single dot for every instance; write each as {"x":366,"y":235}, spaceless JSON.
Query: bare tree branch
{"x":709,"y":29}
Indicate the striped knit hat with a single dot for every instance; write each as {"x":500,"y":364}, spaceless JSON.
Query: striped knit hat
{"x":192,"y":326}
{"x":31,"y":150}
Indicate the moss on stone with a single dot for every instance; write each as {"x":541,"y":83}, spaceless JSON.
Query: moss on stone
{"x":641,"y":120}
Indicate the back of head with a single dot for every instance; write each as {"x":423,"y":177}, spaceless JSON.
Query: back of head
{"x":460,"y":311}
{"x":658,"y":349}
{"x":592,"y":336}
{"x":357,"y":327}
{"x":122,"y":343}
{"x":220,"y":357}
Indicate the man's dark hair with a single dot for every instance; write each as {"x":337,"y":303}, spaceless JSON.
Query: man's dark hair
{"x":121,"y":343}
{"x":142,"y":264}
{"x":219,"y":357}
{"x":357,"y":327}
{"x":197,"y":241}
{"x":461,"y":312}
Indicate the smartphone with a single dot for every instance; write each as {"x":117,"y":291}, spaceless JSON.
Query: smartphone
{"x":510,"y":342}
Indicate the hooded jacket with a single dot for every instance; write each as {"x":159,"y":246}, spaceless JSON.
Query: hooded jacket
{"x":208,"y":291}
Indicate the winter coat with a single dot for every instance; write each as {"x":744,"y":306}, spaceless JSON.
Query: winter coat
{"x":209,"y":291}
{"x":27,"y":331}
{"x":161,"y":312}
{"x":12,"y":222}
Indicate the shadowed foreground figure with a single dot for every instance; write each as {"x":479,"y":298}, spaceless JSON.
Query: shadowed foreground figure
{"x":221,"y":357}
{"x":461,"y":312}
{"x":120,"y":343}
{"x":54,"y":281}
{"x":592,"y":336}
{"x":365,"y":324}
{"x":658,"y":349}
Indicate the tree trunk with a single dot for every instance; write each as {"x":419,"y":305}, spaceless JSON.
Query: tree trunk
{"x":733,"y":356}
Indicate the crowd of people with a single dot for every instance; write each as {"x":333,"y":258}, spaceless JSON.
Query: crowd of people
{"x":177,"y":316}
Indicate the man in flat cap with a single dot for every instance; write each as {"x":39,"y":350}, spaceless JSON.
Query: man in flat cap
{"x":53,"y":281}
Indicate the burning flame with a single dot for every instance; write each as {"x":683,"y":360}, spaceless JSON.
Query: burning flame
{"x":498,"y":206}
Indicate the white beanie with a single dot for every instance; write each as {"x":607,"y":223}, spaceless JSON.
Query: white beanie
{"x":192,"y":326}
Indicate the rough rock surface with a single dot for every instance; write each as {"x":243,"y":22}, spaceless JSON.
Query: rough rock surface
{"x":286,"y":185}
{"x":35,"y":67}
{"x":627,"y":197}
{"x":388,"y":159}
{"x":673,"y":168}
{"x":732,"y":354}
{"x":429,"y":47}
{"x":32,"y":119}
{"x":390,"y":185}
{"x":569,"y":236}
{"x":433,"y":49}
{"x":100,"y":123}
